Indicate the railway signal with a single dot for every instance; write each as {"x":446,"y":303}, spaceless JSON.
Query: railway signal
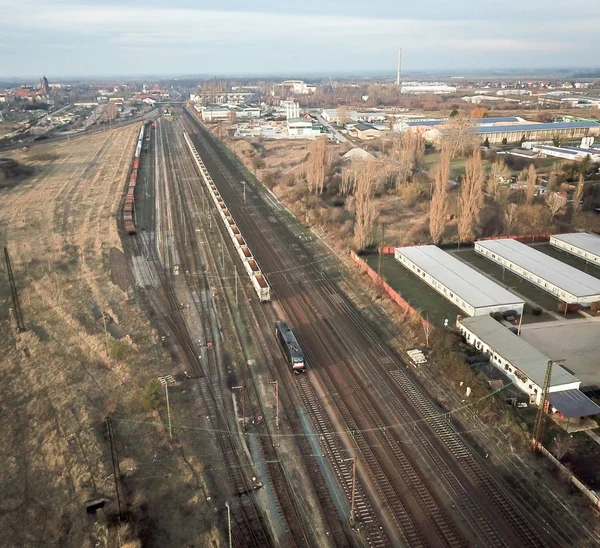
{"x":228,"y":520}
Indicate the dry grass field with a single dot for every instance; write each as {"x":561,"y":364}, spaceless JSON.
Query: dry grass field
{"x":68,"y":371}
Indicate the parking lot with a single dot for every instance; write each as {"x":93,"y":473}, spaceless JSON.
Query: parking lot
{"x":575,"y":340}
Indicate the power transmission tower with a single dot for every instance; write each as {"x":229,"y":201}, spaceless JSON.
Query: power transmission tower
{"x":15,"y":296}
{"x":540,"y":420}
{"x":115,"y":464}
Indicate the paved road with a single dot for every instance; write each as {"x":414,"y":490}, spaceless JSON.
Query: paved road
{"x":338,"y":135}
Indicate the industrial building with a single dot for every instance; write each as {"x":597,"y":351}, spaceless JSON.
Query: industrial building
{"x":526,"y":366}
{"x":581,"y":244}
{"x":559,"y":279}
{"x":508,"y":129}
{"x":471,"y":291}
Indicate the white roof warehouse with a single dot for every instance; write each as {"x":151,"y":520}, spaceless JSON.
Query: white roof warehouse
{"x":581,"y":244}
{"x":468,"y":289}
{"x":561,"y":280}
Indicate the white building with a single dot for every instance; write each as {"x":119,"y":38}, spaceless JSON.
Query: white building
{"x":292,"y":109}
{"x":436,"y":88}
{"x":557,"y":278}
{"x":292,"y":87}
{"x":301,"y":127}
{"x":523,"y":364}
{"x":474,"y":293}
{"x":214,"y":114}
{"x":246,"y":113}
{"x":331,"y":115}
{"x":581,"y":244}
{"x":568,"y":152}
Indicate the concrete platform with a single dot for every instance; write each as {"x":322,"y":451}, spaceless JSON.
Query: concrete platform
{"x":576,"y":341}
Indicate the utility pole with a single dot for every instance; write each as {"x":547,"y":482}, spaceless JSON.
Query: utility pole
{"x":380,"y":257}
{"x":540,"y":420}
{"x":168,"y":410}
{"x":244,"y":185}
{"x":15,"y":296}
{"x":105,"y":335}
{"x":276,"y":383}
{"x":115,"y":463}
{"x":236,"y":286}
{"x":228,"y":520}
{"x":242,"y":387}
{"x":353,"y":494}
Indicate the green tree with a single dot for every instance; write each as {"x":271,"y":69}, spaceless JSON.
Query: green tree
{"x":486,"y":143}
{"x":152,"y":397}
{"x":453,"y":112}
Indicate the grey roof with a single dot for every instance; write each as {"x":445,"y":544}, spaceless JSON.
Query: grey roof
{"x":548,"y":268}
{"x":473,"y":121}
{"x":518,"y":352}
{"x":562,"y":150}
{"x":583,"y":240}
{"x":534,"y":127}
{"x":363,"y":127}
{"x":573,"y":403}
{"x":469,"y":284}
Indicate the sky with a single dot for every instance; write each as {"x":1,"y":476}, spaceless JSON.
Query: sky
{"x":87,"y":38}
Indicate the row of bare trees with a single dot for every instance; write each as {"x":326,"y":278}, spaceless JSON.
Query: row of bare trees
{"x":316,"y":165}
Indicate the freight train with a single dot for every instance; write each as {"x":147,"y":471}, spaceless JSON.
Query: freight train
{"x":129,"y":203}
{"x":258,"y":279}
{"x":290,"y":347}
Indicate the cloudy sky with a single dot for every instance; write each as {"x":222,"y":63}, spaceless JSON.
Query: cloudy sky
{"x":132,"y":37}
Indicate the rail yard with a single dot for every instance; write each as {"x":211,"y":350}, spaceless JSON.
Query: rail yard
{"x":353,"y":452}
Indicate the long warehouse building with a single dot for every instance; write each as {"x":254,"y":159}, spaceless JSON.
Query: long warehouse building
{"x":471,"y":291}
{"x":565,"y":282}
{"x":526,"y":366}
{"x":581,"y":244}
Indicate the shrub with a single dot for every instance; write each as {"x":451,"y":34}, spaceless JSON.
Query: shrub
{"x":152,"y":396}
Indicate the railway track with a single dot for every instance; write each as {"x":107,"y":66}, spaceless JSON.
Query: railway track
{"x":492,"y":531}
{"x":248,"y":526}
{"x":276,"y":467}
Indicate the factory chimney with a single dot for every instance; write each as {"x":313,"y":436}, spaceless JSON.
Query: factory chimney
{"x":398,"y":81}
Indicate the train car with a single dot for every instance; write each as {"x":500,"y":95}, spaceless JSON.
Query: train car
{"x":290,"y":347}
{"x":130,"y":227}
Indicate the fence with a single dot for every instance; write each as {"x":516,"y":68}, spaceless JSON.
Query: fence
{"x":391,"y":292}
{"x":572,"y":478}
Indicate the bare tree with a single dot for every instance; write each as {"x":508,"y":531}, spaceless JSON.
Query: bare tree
{"x":499,"y":174}
{"x":531,"y":182}
{"x":578,"y":196}
{"x":365,"y":216}
{"x":510,"y":214}
{"x":316,"y":165}
{"x":552,"y":181}
{"x":342,"y":114}
{"x":557,"y":204}
{"x":459,"y":138}
{"x":427,"y":330}
{"x":438,"y":208}
{"x":471,"y":198}
{"x":561,"y":444}
{"x":349,"y":176}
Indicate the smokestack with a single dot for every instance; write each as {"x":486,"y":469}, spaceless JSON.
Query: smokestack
{"x":398,"y":81}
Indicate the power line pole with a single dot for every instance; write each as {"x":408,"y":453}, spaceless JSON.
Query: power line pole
{"x":276,"y":383}
{"x":380,"y":257}
{"x":540,"y":420}
{"x":236,"y":286}
{"x":228,"y":520}
{"x":115,"y":463}
{"x":353,"y":494}
{"x":242,"y":387}
{"x":15,"y":296}
{"x":168,"y":410}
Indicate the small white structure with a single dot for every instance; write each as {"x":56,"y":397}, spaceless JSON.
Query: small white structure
{"x":581,"y":244}
{"x":302,"y":127}
{"x":523,"y":364}
{"x":559,"y":279}
{"x":471,"y":291}
{"x":214,"y":114}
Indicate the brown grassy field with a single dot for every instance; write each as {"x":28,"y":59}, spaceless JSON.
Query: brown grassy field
{"x":67,"y":372}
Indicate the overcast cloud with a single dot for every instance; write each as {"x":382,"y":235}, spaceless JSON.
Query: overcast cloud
{"x":89,"y":38}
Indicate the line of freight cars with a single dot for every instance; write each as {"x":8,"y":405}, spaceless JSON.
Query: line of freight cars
{"x":129,"y":204}
{"x":259,"y":282}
